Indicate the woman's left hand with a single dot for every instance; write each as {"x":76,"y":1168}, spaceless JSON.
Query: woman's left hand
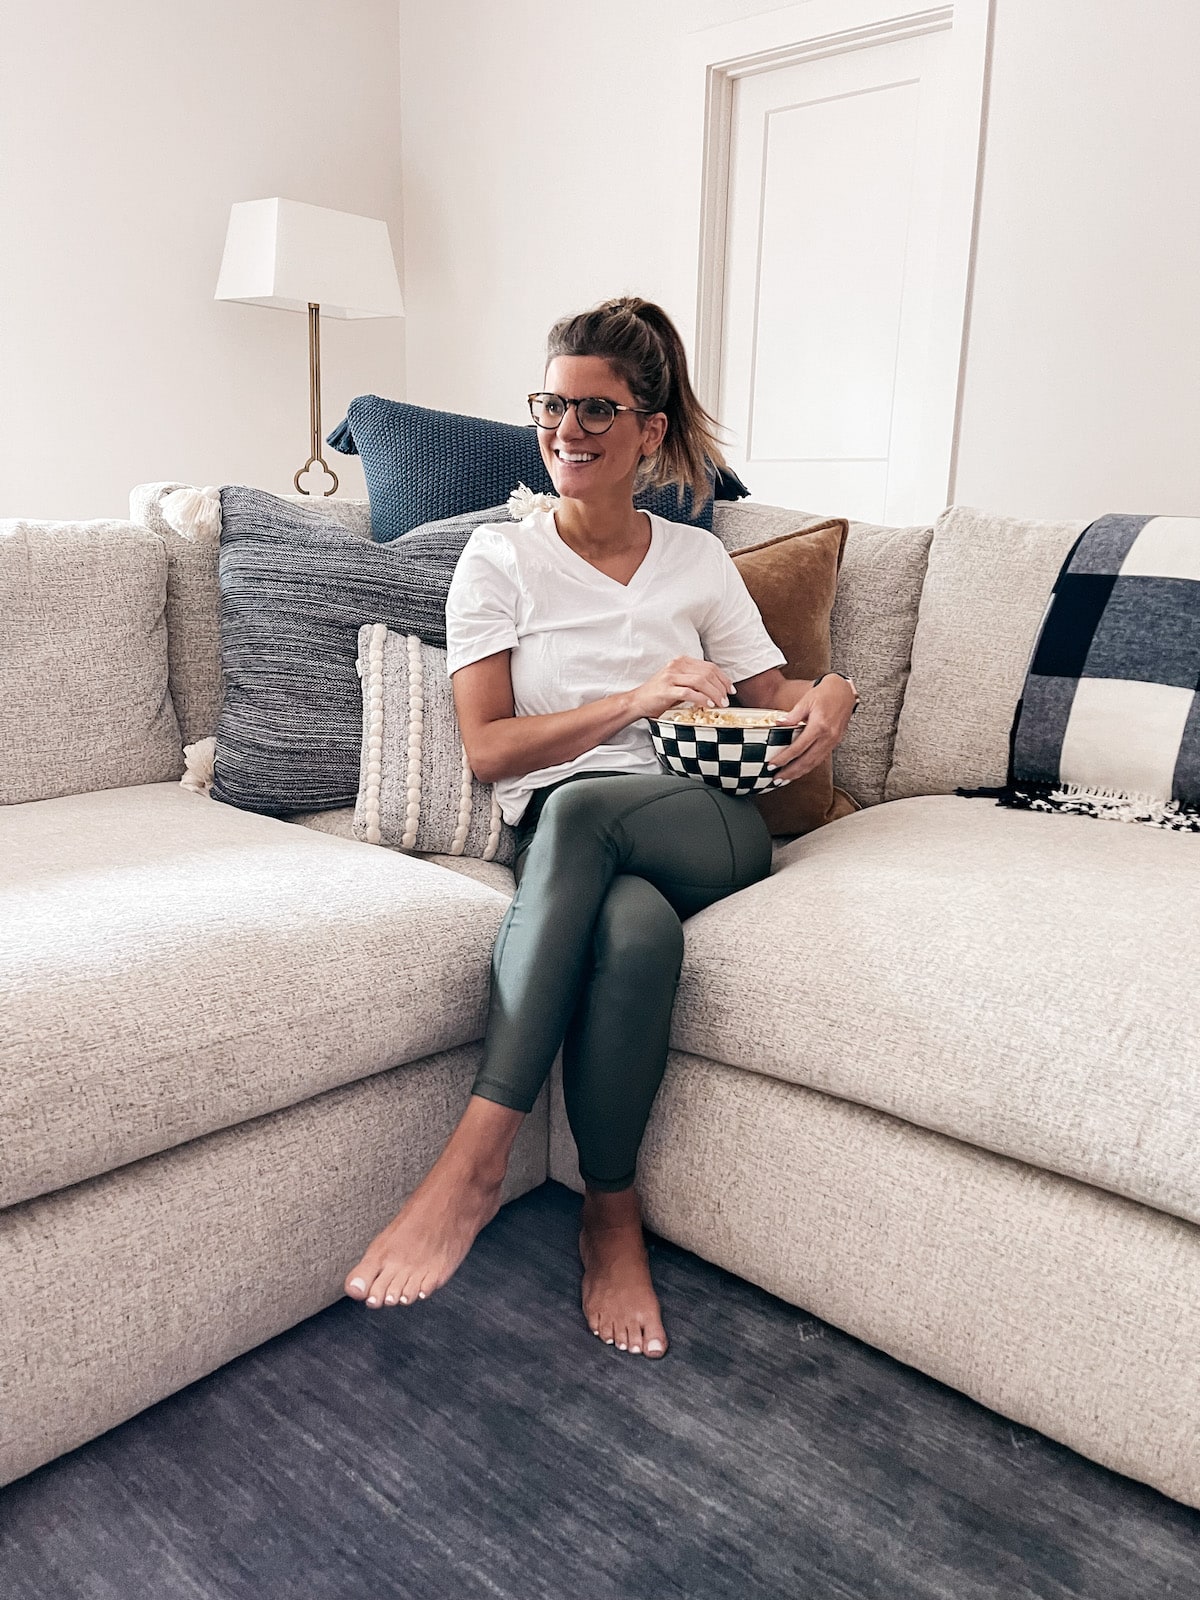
{"x":826,"y":712}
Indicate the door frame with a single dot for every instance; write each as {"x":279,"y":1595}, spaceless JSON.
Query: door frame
{"x":722,"y":54}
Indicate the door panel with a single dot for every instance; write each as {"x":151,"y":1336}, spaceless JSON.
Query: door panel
{"x":831,"y":246}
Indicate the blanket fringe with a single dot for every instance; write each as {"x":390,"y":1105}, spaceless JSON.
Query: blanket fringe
{"x":1113,"y":805}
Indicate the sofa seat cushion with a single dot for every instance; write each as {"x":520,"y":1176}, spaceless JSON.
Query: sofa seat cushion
{"x":341,"y":823}
{"x":170,"y":965}
{"x":1025,"y":983}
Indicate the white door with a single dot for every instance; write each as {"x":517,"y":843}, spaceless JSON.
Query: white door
{"x":833,"y":330}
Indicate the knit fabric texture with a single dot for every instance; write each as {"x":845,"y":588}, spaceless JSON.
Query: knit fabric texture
{"x":294,"y":591}
{"x":422,"y":465}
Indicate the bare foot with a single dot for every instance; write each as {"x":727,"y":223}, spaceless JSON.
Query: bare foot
{"x":619,"y":1301}
{"x":428,"y":1239}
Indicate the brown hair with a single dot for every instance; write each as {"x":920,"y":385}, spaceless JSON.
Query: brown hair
{"x":641,"y":343}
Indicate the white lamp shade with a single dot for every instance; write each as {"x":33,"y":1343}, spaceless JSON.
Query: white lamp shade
{"x":284,"y":253}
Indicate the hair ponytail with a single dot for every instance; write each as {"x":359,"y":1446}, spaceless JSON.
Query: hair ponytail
{"x":639,"y":341}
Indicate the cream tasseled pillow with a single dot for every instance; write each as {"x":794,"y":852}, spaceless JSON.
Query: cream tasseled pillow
{"x":416,"y":788}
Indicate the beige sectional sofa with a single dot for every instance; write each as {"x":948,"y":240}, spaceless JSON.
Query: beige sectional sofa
{"x":935,"y":1079}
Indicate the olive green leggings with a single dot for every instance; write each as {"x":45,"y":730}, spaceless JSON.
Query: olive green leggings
{"x":589,"y":953}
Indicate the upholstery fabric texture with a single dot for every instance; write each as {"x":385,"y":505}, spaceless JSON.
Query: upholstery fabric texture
{"x":193,"y":609}
{"x":341,"y":822}
{"x":263,"y":964}
{"x":253,"y":1227}
{"x":1062,"y":1307}
{"x":85,"y":702}
{"x":989,"y":581}
{"x":295,"y":590}
{"x":416,"y":788}
{"x":871,"y":628}
{"x":193,"y":592}
{"x":941,"y":988}
{"x":792,"y":579}
{"x":422,"y":464}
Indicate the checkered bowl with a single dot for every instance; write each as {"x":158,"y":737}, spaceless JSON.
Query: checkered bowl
{"x":729,"y":758}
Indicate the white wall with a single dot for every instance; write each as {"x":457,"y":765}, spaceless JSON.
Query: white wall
{"x":1083,"y":365}
{"x":126,"y":131}
{"x":543,"y":154}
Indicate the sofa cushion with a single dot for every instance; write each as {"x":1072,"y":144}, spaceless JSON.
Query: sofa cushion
{"x":294,"y":593}
{"x":792,"y":579}
{"x":194,"y":601}
{"x":84,"y":702}
{"x":986,"y":590}
{"x":1024,"y":983}
{"x":341,"y":822}
{"x":170,"y":965}
{"x":416,"y":790}
{"x":870,"y":629}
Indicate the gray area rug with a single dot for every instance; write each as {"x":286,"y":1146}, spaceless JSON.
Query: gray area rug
{"x":485,"y":1444}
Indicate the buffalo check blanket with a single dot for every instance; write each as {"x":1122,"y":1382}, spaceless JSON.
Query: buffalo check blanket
{"x":1108,"y":724}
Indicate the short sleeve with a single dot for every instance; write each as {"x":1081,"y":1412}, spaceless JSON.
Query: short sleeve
{"x":734,"y":635}
{"x":481,"y":604}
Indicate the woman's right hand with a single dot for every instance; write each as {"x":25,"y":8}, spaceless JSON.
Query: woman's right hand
{"x":685,"y":678}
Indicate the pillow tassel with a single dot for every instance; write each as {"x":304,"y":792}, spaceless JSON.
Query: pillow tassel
{"x":194,"y":513}
{"x":199,"y":760}
{"x":342,"y":438}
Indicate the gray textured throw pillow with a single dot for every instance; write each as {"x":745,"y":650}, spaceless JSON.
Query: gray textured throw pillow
{"x":416,"y":788}
{"x":294,"y":592}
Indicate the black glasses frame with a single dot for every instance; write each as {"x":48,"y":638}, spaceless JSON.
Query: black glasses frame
{"x":552,"y":427}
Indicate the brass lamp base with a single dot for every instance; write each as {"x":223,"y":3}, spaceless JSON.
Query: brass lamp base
{"x":314,"y":403}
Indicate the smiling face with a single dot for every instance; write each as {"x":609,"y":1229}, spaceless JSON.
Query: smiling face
{"x":583,"y":465}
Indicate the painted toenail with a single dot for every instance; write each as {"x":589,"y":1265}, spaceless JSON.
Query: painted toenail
{"x":620,"y":1347}
{"x":403,"y":1299}
{"x":420,"y":1294}
{"x":653,"y":1344}
{"x":635,"y":1349}
{"x":371,"y":1300}
{"x":608,"y":1341}
{"x":357,"y":1283}
{"x":389,"y":1299}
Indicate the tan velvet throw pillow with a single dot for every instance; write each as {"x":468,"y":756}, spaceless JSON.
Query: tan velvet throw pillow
{"x":793,"y":580}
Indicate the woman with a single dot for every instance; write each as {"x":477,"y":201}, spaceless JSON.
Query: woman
{"x":564,"y":633}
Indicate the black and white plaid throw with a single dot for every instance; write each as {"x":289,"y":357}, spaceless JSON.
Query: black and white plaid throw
{"x":1108,"y":723}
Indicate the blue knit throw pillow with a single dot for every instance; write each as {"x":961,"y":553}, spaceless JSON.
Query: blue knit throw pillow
{"x":295,"y":588}
{"x":423,"y":465}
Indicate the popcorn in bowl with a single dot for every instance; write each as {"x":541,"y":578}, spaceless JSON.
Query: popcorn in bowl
{"x":724,"y":747}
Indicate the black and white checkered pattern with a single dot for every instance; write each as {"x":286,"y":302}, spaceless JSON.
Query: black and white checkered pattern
{"x":1108,"y":723}
{"x":733,"y":759}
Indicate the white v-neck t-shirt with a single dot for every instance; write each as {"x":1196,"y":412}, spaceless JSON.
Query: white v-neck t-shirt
{"x":577,"y":635}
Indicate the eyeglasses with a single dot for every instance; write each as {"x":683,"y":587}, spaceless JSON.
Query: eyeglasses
{"x":595,"y":414}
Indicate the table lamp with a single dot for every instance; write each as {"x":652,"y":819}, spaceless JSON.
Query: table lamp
{"x":297,"y":257}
